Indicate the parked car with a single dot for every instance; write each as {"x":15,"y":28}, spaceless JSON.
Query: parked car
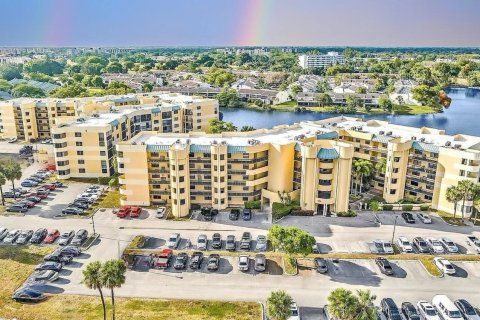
{"x":50,"y":186}
{"x":390,"y":309}
{"x":217,"y":241}
{"x":421,"y":245}
{"x":444,"y":265}
{"x":79,"y":205}
{"x":28,"y":204}
{"x":207,"y":214}
{"x":243,"y":263}
{"x":66,"y":237}
{"x":435,"y":245}
{"x":246,"y":241}
{"x":383,"y":246}
{"x":409,"y":311}
{"x":29,"y":184}
{"x":135,"y":212}
{"x":33,"y":199}
{"x":173,"y":241}
{"x":213,"y":262}
{"x":38,"y":236}
{"x":69,"y":250}
{"x":22,"y":208}
{"x":234,"y":214}
{"x":44,"y":276}
{"x":11,"y":236}
{"x":467,"y":310}
{"x":445,"y":307}
{"x":260,"y":262}
{"x":161,"y":212}
{"x":24,"y":236}
{"x":49,"y":265}
{"x":123,"y":211}
{"x":404,"y":245}
{"x":196,"y":260}
{"x":27,"y":294}
{"x":202,"y":242}
{"x":247,"y":214}
{"x":427,"y":311}
{"x":79,"y":237}
{"x":163,"y":259}
{"x":424,"y":217}
{"x":52,"y":236}
{"x":72,"y":210}
{"x":449,"y":245}
{"x":408,"y":217}
{"x":472,"y":240}
{"x":11,"y":194}
{"x":3,"y":233}
{"x":57,"y":256}
{"x":261,"y":244}
{"x":230,"y":243}
{"x":385,"y":266}
{"x":294,"y":312}
{"x":180,"y":261}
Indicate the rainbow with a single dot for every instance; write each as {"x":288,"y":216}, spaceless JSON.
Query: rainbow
{"x":55,"y":31}
{"x":255,"y":17}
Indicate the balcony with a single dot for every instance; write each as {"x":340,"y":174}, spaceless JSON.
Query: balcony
{"x":258,"y":181}
{"x":121,"y":179}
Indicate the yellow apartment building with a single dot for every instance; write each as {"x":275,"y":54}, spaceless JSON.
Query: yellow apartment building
{"x":311,"y":161}
{"x":31,"y":119}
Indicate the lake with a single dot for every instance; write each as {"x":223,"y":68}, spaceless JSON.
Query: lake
{"x":463,"y":115}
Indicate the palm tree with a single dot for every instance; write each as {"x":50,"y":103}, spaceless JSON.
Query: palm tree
{"x":12,"y":171}
{"x":381,"y":165}
{"x":365,"y":307}
{"x":467,"y":189}
{"x":454,"y":195}
{"x":92,"y":279}
{"x":342,"y":304}
{"x":278,"y":305}
{"x":3,"y":180}
{"x":113,"y":276}
{"x":362,"y":168}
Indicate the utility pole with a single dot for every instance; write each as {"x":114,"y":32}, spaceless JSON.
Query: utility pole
{"x":93,"y":226}
{"x":394,"y":227}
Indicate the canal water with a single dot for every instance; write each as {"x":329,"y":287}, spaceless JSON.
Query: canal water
{"x":463,"y":115}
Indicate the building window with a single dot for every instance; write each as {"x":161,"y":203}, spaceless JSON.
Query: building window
{"x":81,"y":170}
{"x":182,"y":201}
{"x":180,"y":167}
{"x":394,"y":181}
{"x":103,"y":153}
{"x":78,"y":144}
{"x":393,"y":191}
{"x":81,"y":161}
{"x":395,"y":170}
{"x":78,"y":134}
{"x":396,"y":159}
{"x":181,"y":179}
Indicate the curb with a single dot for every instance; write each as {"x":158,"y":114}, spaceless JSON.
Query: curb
{"x":263,"y":314}
{"x":431,"y":275}
{"x":296,"y":268}
{"x":91,"y":243}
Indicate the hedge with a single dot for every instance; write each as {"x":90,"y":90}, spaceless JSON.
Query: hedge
{"x":387,"y":207}
{"x":424,"y":207}
{"x":349,"y":213}
{"x":407,"y":207}
{"x":279,"y":210}
{"x":255,"y":204}
{"x":299,"y":212}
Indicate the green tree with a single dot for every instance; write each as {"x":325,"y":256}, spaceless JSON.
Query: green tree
{"x":96,"y":81}
{"x":278,"y":305}
{"x":26,"y":90}
{"x":10,"y":71}
{"x":361,"y":168}
{"x":474,"y":79}
{"x":49,"y":67}
{"x":12,"y":171}
{"x":385,"y":103}
{"x":114,"y":67}
{"x":467,"y":189}
{"x":342,"y":304}
{"x":147,"y":87}
{"x":228,"y":97}
{"x":247,"y":128}
{"x":5,"y":86}
{"x":365,"y":307}
{"x":219,"y":77}
{"x":69,"y":91}
{"x":3,"y":181}
{"x":323,"y":99}
{"x":92,"y":279}
{"x":361,"y":90}
{"x":454,"y":195}
{"x":381,"y":166}
{"x":322,"y":86}
{"x":291,"y":240}
{"x":427,"y":96}
{"x":296,"y":89}
{"x":217,"y":126}
{"x":113,"y":276}
{"x":353,"y":102}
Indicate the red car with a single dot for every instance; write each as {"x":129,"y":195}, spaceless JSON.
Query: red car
{"x":163,"y":259}
{"x":52,"y":236}
{"x":41,"y":194}
{"x":29,"y":204}
{"x":135,"y":212}
{"x":124,"y":211}
{"x":50,"y":187}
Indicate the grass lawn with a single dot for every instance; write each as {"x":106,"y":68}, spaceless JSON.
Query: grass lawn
{"x":412,"y":110}
{"x":16,"y":263}
{"x":290,"y":265}
{"x":448,"y":218}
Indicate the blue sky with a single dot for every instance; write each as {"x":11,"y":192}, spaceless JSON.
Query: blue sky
{"x":240,"y":22}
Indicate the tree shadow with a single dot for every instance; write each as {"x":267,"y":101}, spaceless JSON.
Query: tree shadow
{"x":351,"y":273}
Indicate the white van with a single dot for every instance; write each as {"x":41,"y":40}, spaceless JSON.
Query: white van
{"x":446,"y":308}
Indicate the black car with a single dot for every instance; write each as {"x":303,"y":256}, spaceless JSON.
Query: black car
{"x":408,"y":217}
{"x":234,"y":214}
{"x":390,"y":309}
{"x":207,"y":214}
{"x":78,"y":204}
{"x":72,"y":210}
{"x":79,"y":237}
{"x":213,"y":262}
{"x":420,"y":245}
{"x":39,"y":235}
{"x":50,"y":265}
{"x":230,"y":243}
{"x":58,"y":257}
{"x":57,"y":184}
{"x":180,"y":261}
{"x":409,"y":311}
{"x":18,"y":208}
{"x":11,"y":194}
{"x":247,"y":214}
{"x":321,"y":265}
{"x":217,"y":241}
{"x":27,"y":294}
{"x":384,"y":265}
{"x":196,"y":260}
{"x":467,"y":310}
{"x":33,"y":199}
{"x":69,"y":251}
{"x":246,"y":241}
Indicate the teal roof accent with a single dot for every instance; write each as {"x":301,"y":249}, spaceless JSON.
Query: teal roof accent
{"x":157,"y":147}
{"x":422,"y":146}
{"x":175,"y":108}
{"x":325,"y":153}
{"x":381,"y":138}
{"x":156,"y":110}
{"x":235,"y":149}
{"x":200,"y":148}
{"x":114,"y":123}
{"x":327,"y":135}
{"x":297,"y":147}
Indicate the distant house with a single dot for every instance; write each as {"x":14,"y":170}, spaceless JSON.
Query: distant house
{"x":403,"y":92}
{"x":206,"y":92}
{"x":244,"y":84}
{"x":45,"y":86}
{"x":265,"y":96}
{"x":307,"y":99}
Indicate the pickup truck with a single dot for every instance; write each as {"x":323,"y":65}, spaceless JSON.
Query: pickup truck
{"x":124,"y":211}
{"x":163,"y":259}
{"x":196,"y":260}
{"x":474,"y":241}
{"x":135,"y":212}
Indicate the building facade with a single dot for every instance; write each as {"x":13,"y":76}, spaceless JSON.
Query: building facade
{"x":308,"y":61}
{"x":310,"y":161}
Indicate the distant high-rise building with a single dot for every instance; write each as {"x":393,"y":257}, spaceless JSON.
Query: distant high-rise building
{"x":307,"y":61}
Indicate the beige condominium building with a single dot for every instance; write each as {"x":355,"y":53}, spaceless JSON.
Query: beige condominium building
{"x":84,"y":145}
{"x":31,"y":119}
{"x":311,"y":161}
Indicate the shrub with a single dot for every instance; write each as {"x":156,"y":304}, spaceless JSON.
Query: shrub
{"x":407,"y":207}
{"x":424,"y":207}
{"x":280,"y":210}
{"x":255,"y":204}
{"x":387,"y":207}
{"x":104,"y":180}
{"x":349,"y":213}
{"x":374,"y":205}
{"x":299,"y":212}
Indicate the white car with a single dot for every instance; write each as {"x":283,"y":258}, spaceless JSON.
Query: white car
{"x":387,"y":247}
{"x":173,"y":240}
{"x":449,"y":245}
{"x":294,"y":312}
{"x":161,"y":212}
{"x":202,"y":242}
{"x":404,"y":245}
{"x":427,"y":311}
{"x":243,"y":263}
{"x":435,"y":245}
{"x":87,"y":197}
{"x":444,"y":265}
{"x":425,"y":218}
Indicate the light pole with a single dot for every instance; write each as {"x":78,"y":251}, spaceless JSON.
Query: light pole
{"x":93,"y":226}
{"x":394,"y":227}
